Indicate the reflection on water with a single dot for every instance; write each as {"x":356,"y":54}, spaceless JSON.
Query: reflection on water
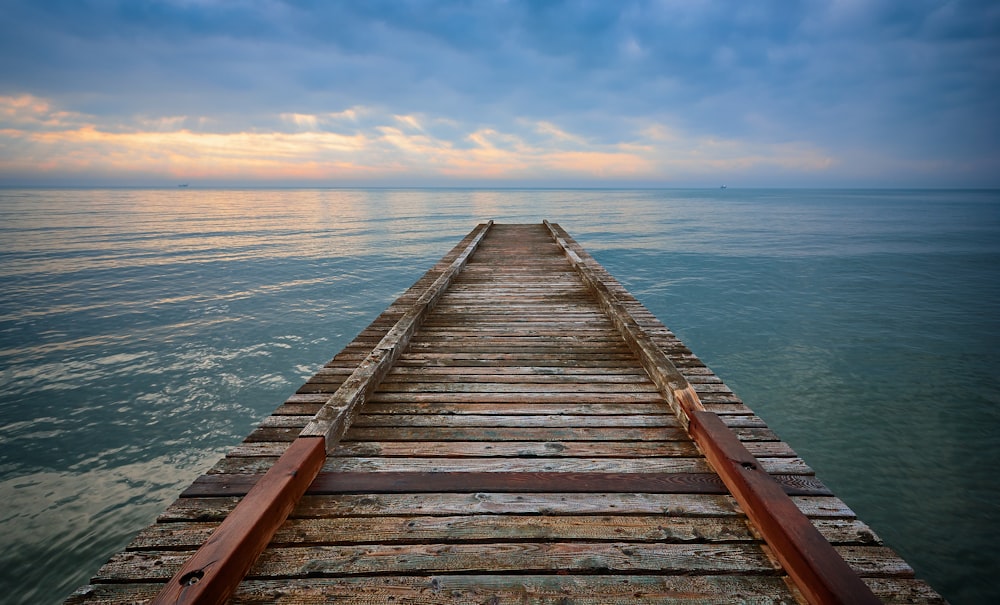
{"x":81,"y":513}
{"x":143,"y":331}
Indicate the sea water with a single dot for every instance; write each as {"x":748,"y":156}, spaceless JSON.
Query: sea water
{"x":145,"y":331}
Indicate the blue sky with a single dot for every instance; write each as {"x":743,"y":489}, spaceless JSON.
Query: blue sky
{"x":501,"y":93}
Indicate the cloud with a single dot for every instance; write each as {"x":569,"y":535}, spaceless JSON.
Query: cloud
{"x":906,"y":84}
{"x":301,"y":120}
{"x":42,"y":141}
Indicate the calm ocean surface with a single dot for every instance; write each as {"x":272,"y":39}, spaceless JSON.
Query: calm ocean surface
{"x":145,"y":331}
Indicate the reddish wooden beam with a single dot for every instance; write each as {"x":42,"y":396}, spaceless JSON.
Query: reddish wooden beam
{"x":212,"y":574}
{"x":215,"y":570}
{"x":816,"y":568}
{"x":809,"y":559}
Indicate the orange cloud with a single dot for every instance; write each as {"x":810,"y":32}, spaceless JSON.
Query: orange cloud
{"x":36,"y":139}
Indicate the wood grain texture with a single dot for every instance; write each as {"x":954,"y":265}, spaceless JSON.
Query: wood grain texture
{"x":367,"y":482}
{"x":514,"y":450}
{"x":819,"y":571}
{"x":466,"y":528}
{"x":548,"y":503}
{"x":416,"y":463}
{"x":493,"y":528}
{"x":496,"y":557}
{"x":211,"y":574}
{"x":333,"y":419}
{"x":498,"y":589}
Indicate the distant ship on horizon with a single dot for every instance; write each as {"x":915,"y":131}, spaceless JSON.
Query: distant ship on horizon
{"x":723,"y":187}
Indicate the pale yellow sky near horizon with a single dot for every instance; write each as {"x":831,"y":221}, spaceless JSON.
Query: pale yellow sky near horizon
{"x":43,"y":141}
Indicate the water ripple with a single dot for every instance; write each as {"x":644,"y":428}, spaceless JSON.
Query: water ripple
{"x":144,"y":331}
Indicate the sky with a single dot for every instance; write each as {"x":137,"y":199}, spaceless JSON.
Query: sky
{"x":644,"y":93}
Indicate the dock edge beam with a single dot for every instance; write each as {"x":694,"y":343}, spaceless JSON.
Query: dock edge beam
{"x":215,"y":570}
{"x":812,"y":563}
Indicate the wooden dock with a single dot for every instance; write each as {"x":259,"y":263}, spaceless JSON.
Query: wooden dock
{"x":515,"y":428}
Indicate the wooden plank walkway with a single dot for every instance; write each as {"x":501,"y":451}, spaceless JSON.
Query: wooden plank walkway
{"x":516,"y":451}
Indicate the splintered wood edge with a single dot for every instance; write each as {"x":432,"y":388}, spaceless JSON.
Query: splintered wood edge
{"x":810,"y":560}
{"x":339,"y":411}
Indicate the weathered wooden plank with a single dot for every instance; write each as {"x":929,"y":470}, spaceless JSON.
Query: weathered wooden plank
{"x":458,"y":360}
{"x":531,"y":409}
{"x":551,"y":329}
{"x":726,"y":409}
{"x":219,"y":485}
{"x":115,"y":594}
{"x":496,"y":528}
{"x":521,"y":297}
{"x":466,"y":528}
{"x":901,"y":591}
{"x":473,"y":417}
{"x":273,"y":434}
{"x":548,"y":503}
{"x":702,"y":387}
{"x":476,"y":463}
{"x":541,"y":319}
{"x":702,"y":376}
{"x":742,"y":421}
{"x":451,"y":449}
{"x":817,"y":569}
{"x":541,"y":348}
{"x":484,"y":342}
{"x":297,"y":409}
{"x":509,"y":375}
{"x":528,"y":464}
{"x":285,"y":421}
{"x":541,"y":397}
{"x":875,"y":561}
{"x":510,"y":589}
{"x":501,"y":373}
{"x":518,"y":308}
{"x":465,"y":558}
{"x":536,"y":388}
{"x":570,"y":481}
{"x":552,"y":383}
{"x":533,"y":464}
{"x":769,"y":449}
{"x":507,"y":434}
{"x":709,"y":398}
{"x":512,"y":434}
{"x":526,"y":589}
{"x":843,"y":532}
{"x":211,"y":574}
{"x":307,"y":398}
{"x":338,"y":412}
{"x":515,"y":421}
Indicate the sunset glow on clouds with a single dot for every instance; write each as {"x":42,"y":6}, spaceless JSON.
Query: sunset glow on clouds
{"x":506,"y":93}
{"x":44,"y":140}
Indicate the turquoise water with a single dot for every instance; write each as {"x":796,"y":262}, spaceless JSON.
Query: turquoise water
{"x":144,"y":331}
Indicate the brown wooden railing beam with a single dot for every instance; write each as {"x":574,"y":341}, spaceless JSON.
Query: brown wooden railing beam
{"x":218,"y":566}
{"x":812,"y":563}
{"x":212,"y":574}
